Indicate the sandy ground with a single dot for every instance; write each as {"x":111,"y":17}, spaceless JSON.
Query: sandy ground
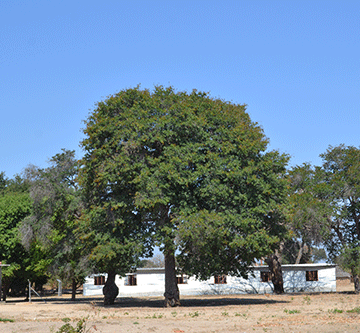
{"x":328,"y":312}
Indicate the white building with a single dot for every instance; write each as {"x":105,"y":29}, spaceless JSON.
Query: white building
{"x":151,"y":282}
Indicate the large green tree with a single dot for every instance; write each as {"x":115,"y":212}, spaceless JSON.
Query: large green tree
{"x":191,"y":173}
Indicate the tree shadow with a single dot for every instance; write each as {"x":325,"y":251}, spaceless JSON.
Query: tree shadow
{"x":191,"y":302}
{"x":154,"y":302}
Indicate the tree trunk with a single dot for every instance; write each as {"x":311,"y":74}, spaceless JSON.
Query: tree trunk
{"x":356,"y":283}
{"x":110,"y":289}
{"x":275,"y":273}
{"x":5,"y":290}
{"x":172,"y":295}
{"x":73,"y":289}
{"x":300,"y":253}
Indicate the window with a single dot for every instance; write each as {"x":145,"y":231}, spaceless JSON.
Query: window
{"x":99,"y":280}
{"x":264,"y":276}
{"x":181,"y":279}
{"x":130,"y":280}
{"x":220,"y":279}
{"x":312,"y":276}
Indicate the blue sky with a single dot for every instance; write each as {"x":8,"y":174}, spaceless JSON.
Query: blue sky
{"x":296,"y":64}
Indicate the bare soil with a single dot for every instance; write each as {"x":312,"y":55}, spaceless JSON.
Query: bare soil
{"x":317,"y":312}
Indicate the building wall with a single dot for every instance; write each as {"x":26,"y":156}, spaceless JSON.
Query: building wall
{"x":295,"y":281}
{"x":151,"y":282}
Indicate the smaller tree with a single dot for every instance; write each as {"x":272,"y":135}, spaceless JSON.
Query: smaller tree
{"x":56,"y":209}
{"x":307,"y":213}
{"x":318,"y":254}
{"x":157,"y":261}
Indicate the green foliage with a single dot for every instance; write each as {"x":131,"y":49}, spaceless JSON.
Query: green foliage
{"x":14,"y":207}
{"x":291,"y":311}
{"x":110,"y":240}
{"x":4,"y":320}
{"x":354,"y":310}
{"x":79,"y":328}
{"x":162,"y":166}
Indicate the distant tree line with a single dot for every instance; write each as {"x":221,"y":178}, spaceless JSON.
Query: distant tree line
{"x":186,"y":173}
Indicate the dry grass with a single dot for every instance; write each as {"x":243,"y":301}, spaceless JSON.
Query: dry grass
{"x":333,"y":312}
